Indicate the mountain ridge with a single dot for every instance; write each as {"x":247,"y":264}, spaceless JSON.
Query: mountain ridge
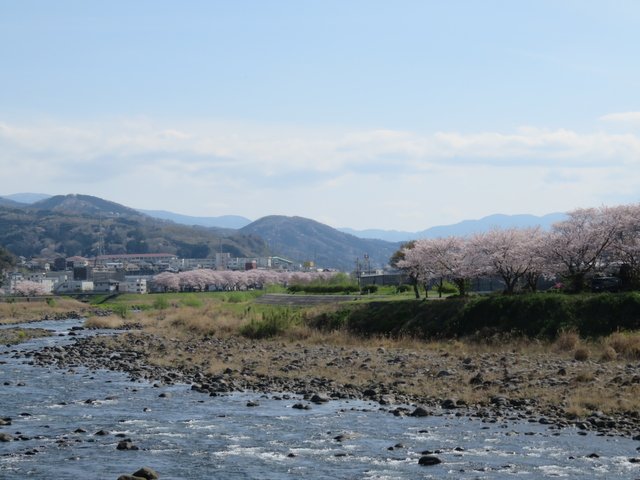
{"x":308,"y":240}
{"x":237,"y":222}
{"x":463,"y":228}
{"x":222,"y":221}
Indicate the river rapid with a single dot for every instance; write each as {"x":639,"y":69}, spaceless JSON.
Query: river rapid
{"x":68,"y":423}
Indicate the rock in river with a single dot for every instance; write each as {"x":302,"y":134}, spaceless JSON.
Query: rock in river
{"x":428,"y":460}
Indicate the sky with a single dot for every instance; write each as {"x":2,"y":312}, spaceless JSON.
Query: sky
{"x":363,"y":114}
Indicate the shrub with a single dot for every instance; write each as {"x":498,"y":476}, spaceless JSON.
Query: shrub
{"x":368,"y":289}
{"x":160,"y":303}
{"x":121,"y":310}
{"x":608,"y":354}
{"x":627,"y":345}
{"x":51,"y":302}
{"x":272,"y":323}
{"x":567,"y":341}
{"x":581,"y":354}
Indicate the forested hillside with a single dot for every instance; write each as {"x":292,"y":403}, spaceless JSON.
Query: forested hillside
{"x":93,"y":226}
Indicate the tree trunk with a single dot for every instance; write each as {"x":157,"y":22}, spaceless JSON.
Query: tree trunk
{"x":460,"y":283}
{"x":414,"y":283}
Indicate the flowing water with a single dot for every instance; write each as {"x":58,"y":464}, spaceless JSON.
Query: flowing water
{"x":188,"y":435}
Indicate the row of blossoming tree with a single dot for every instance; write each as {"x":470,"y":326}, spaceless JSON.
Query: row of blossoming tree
{"x":589,"y":242}
{"x":230,"y":280}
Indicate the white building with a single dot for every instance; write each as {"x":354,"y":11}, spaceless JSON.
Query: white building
{"x":75,"y":286}
{"x":134,"y":285}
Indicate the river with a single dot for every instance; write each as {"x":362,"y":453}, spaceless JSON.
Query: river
{"x":184,"y":434}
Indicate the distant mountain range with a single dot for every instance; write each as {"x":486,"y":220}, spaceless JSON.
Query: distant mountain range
{"x":224,"y":221}
{"x":31,"y":224}
{"x":463,"y":228}
{"x":27,"y":197}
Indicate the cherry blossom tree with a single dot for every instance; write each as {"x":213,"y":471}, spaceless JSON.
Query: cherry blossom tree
{"x":440,"y":259}
{"x":576,"y":247}
{"x":509,"y":254}
{"x":168,"y":281}
{"x":28,"y":288}
{"x":625,"y":247}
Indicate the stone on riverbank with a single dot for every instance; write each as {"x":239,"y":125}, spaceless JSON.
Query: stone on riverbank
{"x":420,"y":412}
{"x":147,"y":473}
{"x":429,"y":460}
{"x":320,"y":398}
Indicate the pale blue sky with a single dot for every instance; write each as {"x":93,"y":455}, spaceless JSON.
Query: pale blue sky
{"x":367,"y":114}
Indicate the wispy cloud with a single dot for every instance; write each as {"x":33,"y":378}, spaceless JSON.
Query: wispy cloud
{"x":254,"y":170}
{"x":201,"y":146}
{"x":624,"y":117}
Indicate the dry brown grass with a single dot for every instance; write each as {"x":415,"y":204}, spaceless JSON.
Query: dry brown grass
{"x":585,"y":376}
{"x":190,"y":321}
{"x":582,"y":354}
{"x":626,"y":345}
{"x":20,"y":311}
{"x":110,"y":321}
{"x":608,"y":354}
{"x":567,"y":341}
{"x":586,"y":399}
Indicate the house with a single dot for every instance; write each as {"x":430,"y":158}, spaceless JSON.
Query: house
{"x":134,"y":285}
{"x":74,"y":286}
{"x":106,"y":286}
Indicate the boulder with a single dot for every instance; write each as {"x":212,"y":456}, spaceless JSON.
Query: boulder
{"x":449,"y":404}
{"x":147,"y":473}
{"x":428,"y":460}
{"x":420,"y":412}
{"x":320,"y":398}
{"x":126,"y":445}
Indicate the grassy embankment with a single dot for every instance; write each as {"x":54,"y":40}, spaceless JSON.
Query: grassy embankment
{"x":572,"y":351}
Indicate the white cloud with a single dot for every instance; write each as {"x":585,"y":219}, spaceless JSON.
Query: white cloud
{"x":624,"y":117}
{"x":214,"y":168}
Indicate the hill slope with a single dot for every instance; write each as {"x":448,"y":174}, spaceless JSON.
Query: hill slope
{"x":75,"y":204}
{"x":84,"y":225}
{"x":303,"y":239}
{"x":7,"y":202}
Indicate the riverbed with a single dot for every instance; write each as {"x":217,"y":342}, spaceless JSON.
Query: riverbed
{"x":67,"y":424}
